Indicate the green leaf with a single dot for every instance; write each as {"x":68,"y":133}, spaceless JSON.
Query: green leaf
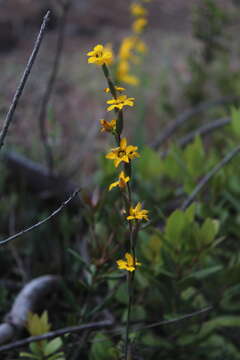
{"x":102,"y":348}
{"x":58,"y":356}
{"x":149,"y":164}
{"x":122,"y":294}
{"x":190,"y":212}
{"x":174,"y":165}
{"x":28,"y":355}
{"x":175,"y":225}
{"x":209,"y":230}
{"x":36,"y":348}
{"x":53,"y":346}
{"x":202,"y":274}
{"x":235,"y":123}
{"x":219,"y":322}
{"x":194,"y":157}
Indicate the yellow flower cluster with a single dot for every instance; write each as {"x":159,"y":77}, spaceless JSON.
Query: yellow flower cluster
{"x":123,"y":153}
{"x":132,"y":46}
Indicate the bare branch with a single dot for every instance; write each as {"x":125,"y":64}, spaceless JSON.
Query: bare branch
{"x":94,"y":326}
{"x":36,"y":225}
{"x":172,"y":321}
{"x":186,"y":115}
{"x":26,"y":73}
{"x":203,"y":130}
{"x":59,"y":332}
{"x":208,"y":177}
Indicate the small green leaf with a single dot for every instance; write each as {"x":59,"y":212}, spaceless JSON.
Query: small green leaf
{"x":194,"y":157}
{"x":102,"y":348}
{"x":28,"y":355}
{"x":209,"y":230}
{"x":202,"y":274}
{"x":235,"y":123}
{"x":175,"y":226}
{"x":53,"y":346}
{"x":149,"y":164}
{"x":219,"y":322}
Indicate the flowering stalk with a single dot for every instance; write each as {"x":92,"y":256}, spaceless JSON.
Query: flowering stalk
{"x":122,"y":154}
{"x":132,"y":46}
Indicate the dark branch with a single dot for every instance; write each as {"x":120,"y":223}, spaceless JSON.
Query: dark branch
{"x":172,"y":321}
{"x":93,"y":326}
{"x":203,"y":130}
{"x":208,"y":177}
{"x":36,"y":225}
{"x":186,"y":115}
{"x":23,"y":80}
{"x":53,"y":334}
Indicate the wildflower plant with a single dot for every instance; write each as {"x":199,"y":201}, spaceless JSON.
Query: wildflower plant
{"x":121,"y":155}
{"x":42,"y":350}
{"x":132,"y":47}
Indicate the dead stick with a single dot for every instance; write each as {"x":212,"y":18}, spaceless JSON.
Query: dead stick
{"x":23,"y":80}
{"x":36,"y":225}
{"x":59,"y":332}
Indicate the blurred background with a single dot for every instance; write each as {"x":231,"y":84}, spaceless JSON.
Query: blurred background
{"x":187,"y":82}
{"x":167,"y":84}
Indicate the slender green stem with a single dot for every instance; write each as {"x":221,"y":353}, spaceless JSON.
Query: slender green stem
{"x":109,"y":81}
{"x":130,"y":299}
{"x":127,"y":196}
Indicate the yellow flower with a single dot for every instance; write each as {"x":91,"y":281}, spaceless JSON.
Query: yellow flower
{"x":109,"y":126}
{"x":139,"y":25}
{"x":123,"y":153}
{"x":126,"y":47}
{"x":120,"y":102}
{"x":100,"y":55}
{"x":117,"y":88}
{"x":38,"y":325}
{"x":138,"y":10}
{"x":124,"y":75}
{"x":122,"y":181}
{"x":129,"y":264}
{"x":137,"y":213}
{"x":141,"y":46}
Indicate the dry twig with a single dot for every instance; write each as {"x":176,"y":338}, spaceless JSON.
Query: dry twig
{"x":26,"y":73}
{"x":55,"y":333}
{"x":36,"y":225}
{"x":188,"y":114}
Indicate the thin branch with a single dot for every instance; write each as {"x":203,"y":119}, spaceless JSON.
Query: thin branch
{"x":171,"y":321}
{"x":208,"y":177}
{"x":203,"y":130}
{"x":26,"y":73}
{"x":59,"y":332}
{"x":36,"y":225}
{"x":50,"y":86}
{"x":186,"y":115}
{"x":93,"y":326}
